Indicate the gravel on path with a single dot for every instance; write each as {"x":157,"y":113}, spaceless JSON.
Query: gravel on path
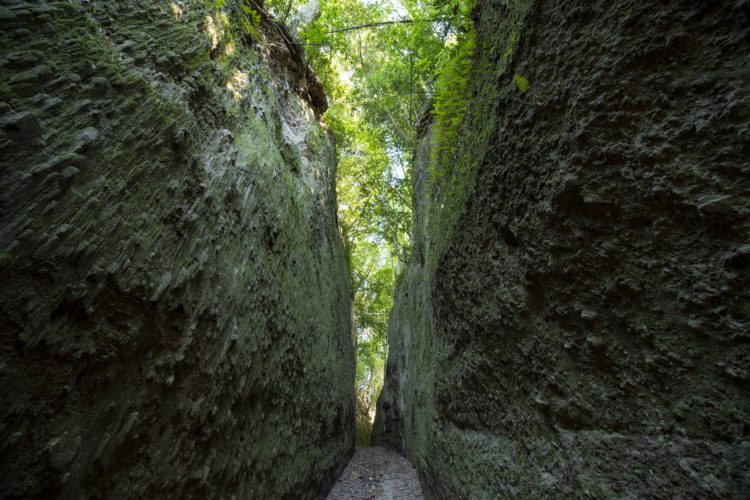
{"x":377,"y":473}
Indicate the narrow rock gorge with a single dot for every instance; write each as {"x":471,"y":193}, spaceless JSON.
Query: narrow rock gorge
{"x":175,"y":308}
{"x":178,"y":316}
{"x":575,"y":318}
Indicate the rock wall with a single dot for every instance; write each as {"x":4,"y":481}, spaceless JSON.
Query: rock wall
{"x":175,"y":308}
{"x":576,"y":320}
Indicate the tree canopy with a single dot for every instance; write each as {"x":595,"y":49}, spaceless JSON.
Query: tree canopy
{"x":384,"y":64}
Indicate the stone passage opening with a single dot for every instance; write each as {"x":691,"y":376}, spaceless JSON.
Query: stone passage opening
{"x":373,"y":286}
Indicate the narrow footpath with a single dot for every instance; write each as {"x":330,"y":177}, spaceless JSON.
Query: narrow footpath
{"x":377,"y":473}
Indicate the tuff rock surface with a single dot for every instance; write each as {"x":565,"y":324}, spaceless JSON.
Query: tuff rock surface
{"x":575,"y":320}
{"x":175,"y":308}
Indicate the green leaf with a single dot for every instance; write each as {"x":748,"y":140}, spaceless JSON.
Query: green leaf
{"x":522,"y":84}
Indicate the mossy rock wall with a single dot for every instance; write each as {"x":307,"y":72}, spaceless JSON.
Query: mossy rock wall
{"x":574,"y":321}
{"x":175,"y":308}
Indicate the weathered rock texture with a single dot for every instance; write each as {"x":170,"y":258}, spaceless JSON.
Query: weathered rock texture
{"x":576,"y":320}
{"x":175,"y":306}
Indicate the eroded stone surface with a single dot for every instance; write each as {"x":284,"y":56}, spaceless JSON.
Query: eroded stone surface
{"x":577,"y":323}
{"x":175,"y":309}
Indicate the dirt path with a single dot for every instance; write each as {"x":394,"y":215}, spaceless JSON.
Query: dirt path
{"x":377,"y":473}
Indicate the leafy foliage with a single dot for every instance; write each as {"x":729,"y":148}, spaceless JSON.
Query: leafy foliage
{"x":452,"y":96}
{"x":522,"y":84}
{"x":379,"y":62}
{"x":380,"y":80}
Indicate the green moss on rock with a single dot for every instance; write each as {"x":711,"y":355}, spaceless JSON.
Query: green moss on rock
{"x":568,"y":323}
{"x":177,"y":309}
